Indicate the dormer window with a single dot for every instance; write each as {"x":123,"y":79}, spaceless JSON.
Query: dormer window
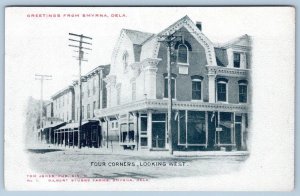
{"x":125,"y":60}
{"x":182,"y":54}
{"x":237,"y":60}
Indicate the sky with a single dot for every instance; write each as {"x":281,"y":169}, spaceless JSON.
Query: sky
{"x":40,"y":44}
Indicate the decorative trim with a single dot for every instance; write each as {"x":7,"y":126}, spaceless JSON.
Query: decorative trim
{"x":110,"y":80}
{"x":198,"y":35}
{"x":225,"y":71}
{"x":155,"y":104}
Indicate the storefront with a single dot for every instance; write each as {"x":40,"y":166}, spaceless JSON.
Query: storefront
{"x":193,"y":127}
{"x":90,"y":134}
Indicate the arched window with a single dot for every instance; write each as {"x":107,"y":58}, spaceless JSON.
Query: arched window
{"x":222,"y":90}
{"x":125,"y":60}
{"x":243,"y":91}
{"x":182,"y":54}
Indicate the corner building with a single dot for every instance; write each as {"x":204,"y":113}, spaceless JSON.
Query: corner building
{"x":210,"y":89}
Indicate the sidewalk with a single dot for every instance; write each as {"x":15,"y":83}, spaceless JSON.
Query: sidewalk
{"x":116,"y":149}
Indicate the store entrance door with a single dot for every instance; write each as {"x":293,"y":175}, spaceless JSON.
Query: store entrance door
{"x":158,"y":135}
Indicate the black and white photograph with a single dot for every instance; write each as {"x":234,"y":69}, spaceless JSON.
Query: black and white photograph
{"x":131,"y":98}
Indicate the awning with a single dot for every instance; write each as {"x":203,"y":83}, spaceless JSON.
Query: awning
{"x":54,"y":125}
{"x":74,"y":125}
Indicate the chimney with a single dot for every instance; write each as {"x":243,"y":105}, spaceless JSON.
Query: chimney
{"x":199,"y":25}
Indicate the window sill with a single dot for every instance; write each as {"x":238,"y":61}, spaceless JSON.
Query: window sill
{"x":173,"y":99}
{"x":183,"y":64}
{"x":197,"y":100}
{"x":225,"y":102}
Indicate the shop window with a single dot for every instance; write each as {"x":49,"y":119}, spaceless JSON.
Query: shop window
{"x":144,"y":141}
{"x":222,"y":90}
{"x":143,"y":125}
{"x":225,"y":133}
{"x":192,"y":128}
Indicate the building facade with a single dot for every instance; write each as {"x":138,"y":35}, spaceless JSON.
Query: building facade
{"x":210,"y":89}
{"x":63,"y":111}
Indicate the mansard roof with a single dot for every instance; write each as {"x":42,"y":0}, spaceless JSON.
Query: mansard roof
{"x":146,"y":45}
{"x":221,"y":56}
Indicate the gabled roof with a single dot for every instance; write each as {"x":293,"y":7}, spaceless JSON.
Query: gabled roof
{"x":237,"y":40}
{"x":137,"y":37}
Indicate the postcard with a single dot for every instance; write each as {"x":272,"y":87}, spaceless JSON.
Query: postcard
{"x":149,"y":98}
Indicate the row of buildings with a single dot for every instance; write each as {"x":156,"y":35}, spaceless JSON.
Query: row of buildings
{"x":126,"y":101}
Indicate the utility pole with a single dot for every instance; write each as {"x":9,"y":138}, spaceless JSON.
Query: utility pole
{"x":80,"y":58}
{"x":169,"y":40}
{"x":42,"y":77}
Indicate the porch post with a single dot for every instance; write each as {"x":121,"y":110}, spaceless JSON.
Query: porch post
{"x":127,"y":121}
{"x":107,"y":133}
{"x":69,"y":138}
{"x":49,"y":135}
{"x":211,"y":87}
{"x":139,"y":130}
{"x":135,"y":121}
{"x":73,"y":134}
{"x":149,"y":128}
{"x":206,"y":129}
{"x":65,"y":139}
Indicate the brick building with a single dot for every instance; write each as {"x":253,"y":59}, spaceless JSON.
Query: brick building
{"x":211,"y":90}
{"x":64,"y":109}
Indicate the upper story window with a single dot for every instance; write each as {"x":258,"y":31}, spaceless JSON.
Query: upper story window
{"x":222,"y":88}
{"x":243,"y":91}
{"x":118,"y":95}
{"x":88,"y":111}
{"x":173,"y":86}
{"x":125,"y":60}
{"x":82,"y":112}
{"x":133,"y":90}
{"x":237,"y":60}
{"x":182,"y":54}
{"x":94,"y":107}
{"x":94,"y":86}
{"x":197,"y":87}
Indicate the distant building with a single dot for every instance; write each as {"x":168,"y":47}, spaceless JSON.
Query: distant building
{"x":210,"y":85}
{"x":62,"y":119}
